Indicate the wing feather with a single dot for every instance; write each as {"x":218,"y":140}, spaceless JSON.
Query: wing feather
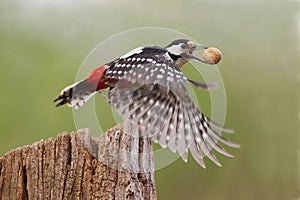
{"x":152,"y":92}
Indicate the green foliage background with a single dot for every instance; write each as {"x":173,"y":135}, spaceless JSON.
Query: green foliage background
{"x":43,"y":43}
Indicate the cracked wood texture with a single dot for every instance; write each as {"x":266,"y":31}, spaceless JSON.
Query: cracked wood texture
{"x":115,"y":165}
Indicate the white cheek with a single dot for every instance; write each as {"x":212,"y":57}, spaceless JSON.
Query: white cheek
{"x":175,"y":50}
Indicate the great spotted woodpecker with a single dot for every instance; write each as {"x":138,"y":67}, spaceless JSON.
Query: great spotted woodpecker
{"x":147,"y":86}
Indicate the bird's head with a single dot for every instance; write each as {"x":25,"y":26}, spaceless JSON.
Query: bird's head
{"x":184,"y":49}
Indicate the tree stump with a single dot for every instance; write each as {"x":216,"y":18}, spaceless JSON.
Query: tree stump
{"x":115,"y":165}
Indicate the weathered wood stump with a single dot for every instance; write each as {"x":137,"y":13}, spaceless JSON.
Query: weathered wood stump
{"x":115,"y":165}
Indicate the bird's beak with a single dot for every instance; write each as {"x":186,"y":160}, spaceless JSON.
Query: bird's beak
{"x":198,"y":47}
{"x":191,"y":56}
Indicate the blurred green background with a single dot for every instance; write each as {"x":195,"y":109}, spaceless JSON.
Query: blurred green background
{"x":43,"y":43}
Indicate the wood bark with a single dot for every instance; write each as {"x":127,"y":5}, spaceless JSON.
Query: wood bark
{"x":115,"y":165}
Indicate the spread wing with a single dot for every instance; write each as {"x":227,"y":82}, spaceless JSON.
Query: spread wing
{"x":151,"y":65}
{"x":170,"y":121}
{"x":151,"y":91}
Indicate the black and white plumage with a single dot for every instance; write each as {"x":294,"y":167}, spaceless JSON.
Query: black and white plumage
{"x":148,"y":87}
{"x":151,"y":90}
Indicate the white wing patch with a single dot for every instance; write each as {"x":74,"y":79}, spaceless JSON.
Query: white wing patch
{"x":132,"y":52}
{"x":167,"y":56}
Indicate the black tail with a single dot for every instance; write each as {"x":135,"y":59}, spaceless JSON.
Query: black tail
{"x":75,"y":95}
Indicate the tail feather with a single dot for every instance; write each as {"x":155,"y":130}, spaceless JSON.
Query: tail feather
{"x":76,"y":95}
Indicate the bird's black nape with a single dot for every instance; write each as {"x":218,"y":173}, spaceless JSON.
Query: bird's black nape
{"x":178,"y":41}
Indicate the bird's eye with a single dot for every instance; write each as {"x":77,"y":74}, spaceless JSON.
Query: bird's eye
{"x":183,"y":46}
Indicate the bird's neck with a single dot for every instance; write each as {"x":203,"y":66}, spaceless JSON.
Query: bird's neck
{"x":180,"y":62}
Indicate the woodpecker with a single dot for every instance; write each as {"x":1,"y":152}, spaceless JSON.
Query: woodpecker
{"x":147,"y":86}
